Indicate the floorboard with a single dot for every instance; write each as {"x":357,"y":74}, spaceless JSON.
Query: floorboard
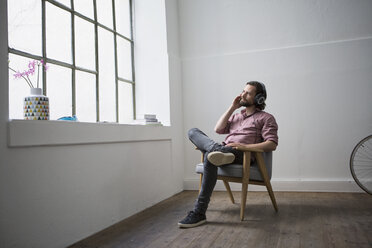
{"x":304,"y":219}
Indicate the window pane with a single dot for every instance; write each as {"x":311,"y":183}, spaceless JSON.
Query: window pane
{"x":104,"y":12}
{"x":59,"y":91}
{"x":84,"y":44}
{"x":58,"y":33}
{"x":124,"y":58}
{"x":122,"y":15}
{"x":24,"y":24}
{"x":125,"y":103}
{"x":86,"y":96}
{"x":107,"y":87}
{"x":18,"y":88}
{"x":84,"y":7}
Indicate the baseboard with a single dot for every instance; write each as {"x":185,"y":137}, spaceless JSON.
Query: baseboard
{"x":303,"y":185}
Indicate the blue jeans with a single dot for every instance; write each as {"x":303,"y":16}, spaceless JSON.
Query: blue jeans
{"x":206,"y":145}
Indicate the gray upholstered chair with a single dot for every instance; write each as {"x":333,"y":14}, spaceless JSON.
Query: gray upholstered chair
{"x":258,"y":173}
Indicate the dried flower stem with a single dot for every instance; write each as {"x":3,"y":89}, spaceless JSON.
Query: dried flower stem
{"x":38,"y":68}
{"x":27,"y":79}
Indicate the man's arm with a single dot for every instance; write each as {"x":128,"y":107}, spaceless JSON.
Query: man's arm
{"x":267,"y":145}
{"x":222,"y":122}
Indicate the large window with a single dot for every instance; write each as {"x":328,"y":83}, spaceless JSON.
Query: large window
{"x":88,"y":47}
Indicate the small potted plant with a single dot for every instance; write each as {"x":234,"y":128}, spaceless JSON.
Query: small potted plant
{"x":36,"y":106}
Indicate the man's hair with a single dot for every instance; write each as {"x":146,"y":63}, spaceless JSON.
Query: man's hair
{"x":259,"y":90}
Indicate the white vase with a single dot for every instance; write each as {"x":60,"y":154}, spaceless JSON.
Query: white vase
{"x":36,"y":106}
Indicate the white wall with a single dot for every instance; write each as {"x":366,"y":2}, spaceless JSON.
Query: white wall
{"x":151,"y":60}
{"x":315,"y":58}
{"x":53,"y":196}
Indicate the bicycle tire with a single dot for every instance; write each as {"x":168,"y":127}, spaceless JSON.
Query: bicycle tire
{"x":361,"y":164}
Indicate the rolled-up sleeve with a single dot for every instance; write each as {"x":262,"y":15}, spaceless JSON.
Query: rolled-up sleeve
{"x":226,"y":130}
{"x":270,"y":130}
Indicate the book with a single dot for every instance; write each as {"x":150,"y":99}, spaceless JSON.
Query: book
{"x":148,"y":119}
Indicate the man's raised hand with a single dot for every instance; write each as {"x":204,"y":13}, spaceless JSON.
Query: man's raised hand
{"x":236,"y":102}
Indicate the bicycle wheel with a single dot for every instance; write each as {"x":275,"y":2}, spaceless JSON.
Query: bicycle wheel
{"x":361,"y":164}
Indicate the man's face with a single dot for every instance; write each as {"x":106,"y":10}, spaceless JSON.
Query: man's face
{"x":247,"y":96}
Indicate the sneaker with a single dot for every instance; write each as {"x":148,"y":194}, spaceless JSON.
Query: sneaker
{"x":221,"y":148}
{"x":193,"y":219}
{"x":221,"y":158}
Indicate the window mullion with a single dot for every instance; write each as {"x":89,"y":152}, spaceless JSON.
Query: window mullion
{"x":97,"y":60}
{"x":78,"y":68}
{"x":116,"y":62}
{"x":24,"y":54}
{"x":73,"y":71}
{"x":125,"y":80}
{"x":132,"y":57}
{"x":43,"y":33}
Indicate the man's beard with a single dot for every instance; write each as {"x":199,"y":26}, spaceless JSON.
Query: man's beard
{"x":245,"y":104}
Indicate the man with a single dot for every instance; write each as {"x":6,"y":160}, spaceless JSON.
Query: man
{"x":251,"y":128}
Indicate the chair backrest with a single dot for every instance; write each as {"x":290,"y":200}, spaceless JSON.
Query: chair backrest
{"x":268,"y":158}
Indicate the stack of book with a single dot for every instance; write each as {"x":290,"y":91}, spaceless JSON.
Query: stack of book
{"x":147,"y":119}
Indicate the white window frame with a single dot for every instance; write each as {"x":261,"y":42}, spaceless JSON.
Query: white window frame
{"x":73,"y":67}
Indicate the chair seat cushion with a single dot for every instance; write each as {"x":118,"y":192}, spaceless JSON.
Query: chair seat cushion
{"x":234,"y":170}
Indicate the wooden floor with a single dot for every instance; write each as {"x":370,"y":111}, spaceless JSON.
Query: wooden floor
{"x":304,"y":220}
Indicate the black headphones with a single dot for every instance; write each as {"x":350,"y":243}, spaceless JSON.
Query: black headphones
{"x":260,"y":97}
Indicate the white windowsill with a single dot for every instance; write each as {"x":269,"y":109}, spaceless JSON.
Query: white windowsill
{"x":46,"y":133}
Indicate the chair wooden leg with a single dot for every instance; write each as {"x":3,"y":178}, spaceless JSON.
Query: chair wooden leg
{"x":245,"y":181}
{"x":243,"y":200}
{"x":200,"y":183}
{"x":227,"y":186}
{"x":272,"y":196}
{"x":261,"y":166}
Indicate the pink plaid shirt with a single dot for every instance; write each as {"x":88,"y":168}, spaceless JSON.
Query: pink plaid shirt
{"x":255,"y":128}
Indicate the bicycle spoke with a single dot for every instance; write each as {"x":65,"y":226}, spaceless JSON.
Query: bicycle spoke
{"x":360,"y":162}
{"x":367,"y":147}
{"x":364,"y":172}
{"x":364,"y":154}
